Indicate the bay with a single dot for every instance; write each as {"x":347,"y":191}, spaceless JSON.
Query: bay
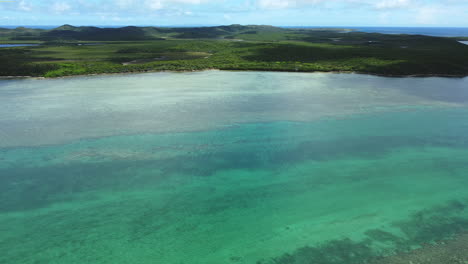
{"x":230,"y":167}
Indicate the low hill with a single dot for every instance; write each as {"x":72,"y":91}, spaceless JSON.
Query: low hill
{"x":20,"y":33}
{"x":95,"y":33}
{"x":132,"y":33}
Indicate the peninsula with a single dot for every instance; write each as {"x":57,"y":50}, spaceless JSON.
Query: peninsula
{"x":69,"y":50}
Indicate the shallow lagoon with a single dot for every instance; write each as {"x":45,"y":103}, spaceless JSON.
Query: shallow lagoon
{"x":16,"y":45}
{"x":230,"y":167}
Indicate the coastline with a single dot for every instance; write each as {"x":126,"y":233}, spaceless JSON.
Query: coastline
{"x":239,"y":70}
{"x":234,"y":47}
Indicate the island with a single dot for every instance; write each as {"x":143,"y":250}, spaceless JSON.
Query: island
{"x":68,"y":50}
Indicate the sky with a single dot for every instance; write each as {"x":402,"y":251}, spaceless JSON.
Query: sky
{"x":416,"y":13}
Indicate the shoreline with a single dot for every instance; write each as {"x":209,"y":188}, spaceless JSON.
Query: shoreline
{"x":237,"y":70}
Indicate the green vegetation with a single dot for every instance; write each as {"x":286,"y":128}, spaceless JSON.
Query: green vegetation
{"x":69,"y":50}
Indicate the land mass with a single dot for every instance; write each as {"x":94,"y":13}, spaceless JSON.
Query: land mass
{"x":69,"y":50}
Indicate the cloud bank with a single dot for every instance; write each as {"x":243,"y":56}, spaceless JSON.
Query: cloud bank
{"x":276,"y":12}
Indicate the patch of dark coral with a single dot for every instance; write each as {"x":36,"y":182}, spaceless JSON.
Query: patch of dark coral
{"x":453,"y":251}
{"x":430,"y":229}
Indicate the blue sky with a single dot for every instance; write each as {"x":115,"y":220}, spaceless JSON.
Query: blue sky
{"x":215,"y":12}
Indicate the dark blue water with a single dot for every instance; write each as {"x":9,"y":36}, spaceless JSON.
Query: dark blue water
{"x":429,"y":31}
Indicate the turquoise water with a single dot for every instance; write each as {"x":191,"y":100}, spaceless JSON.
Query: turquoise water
{"x":230,"y":167}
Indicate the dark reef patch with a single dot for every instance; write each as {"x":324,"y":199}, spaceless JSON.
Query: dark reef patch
{"x":454,"y":251}
{"x":429,"y":228}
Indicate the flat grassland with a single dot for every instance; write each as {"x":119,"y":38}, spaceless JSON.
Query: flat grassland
{"x":69,"y":50}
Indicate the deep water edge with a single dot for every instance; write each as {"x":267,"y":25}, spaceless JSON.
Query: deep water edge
{"x":230,"y":167}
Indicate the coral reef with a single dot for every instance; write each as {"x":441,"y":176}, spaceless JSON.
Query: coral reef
{"x":453,"y":251}
{"x":438,"y":232}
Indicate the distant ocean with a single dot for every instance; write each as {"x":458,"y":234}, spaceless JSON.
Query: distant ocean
{"x":429,"y":31}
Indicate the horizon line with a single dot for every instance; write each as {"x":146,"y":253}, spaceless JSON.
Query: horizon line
{"x":214,"y":25}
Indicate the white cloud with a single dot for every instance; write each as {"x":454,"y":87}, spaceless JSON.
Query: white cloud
{"x":427,"y":15}
{"x":154,"y":4}
{"x":24,"y":6}
{"x":60,"y":7}
{"x":281,"y":4}
{"x":387,"y":12}
{"x":390,"y":4}
{"x":160,"y":4}
{"x":276,"y":4}
{"x":384,"y":18}
{"x":124,"y":3}
{"x":192,"y":2}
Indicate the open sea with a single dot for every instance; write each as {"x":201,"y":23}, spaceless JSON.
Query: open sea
{"x":230,"y":167}
{"x":428,"y":31}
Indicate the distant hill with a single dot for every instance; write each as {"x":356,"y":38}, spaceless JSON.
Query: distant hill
{"x":222,"y":31}
{"x":20,"y":33}
{"x":95,"y":33}
{"x":132,"y":33}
